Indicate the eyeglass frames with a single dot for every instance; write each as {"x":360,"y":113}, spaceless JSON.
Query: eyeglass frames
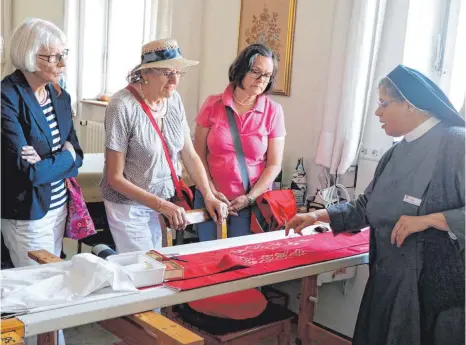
{"x":256,"y":74}
{"x":55,"y":58}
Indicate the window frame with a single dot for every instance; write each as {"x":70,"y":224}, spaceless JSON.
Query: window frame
{"x":146,"y":26}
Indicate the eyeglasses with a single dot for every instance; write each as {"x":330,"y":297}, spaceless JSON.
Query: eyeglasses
{"x":256,"y":74}
{"x":55,"y":58}
{"x":385,"y":103}
{"x":169,"y":74}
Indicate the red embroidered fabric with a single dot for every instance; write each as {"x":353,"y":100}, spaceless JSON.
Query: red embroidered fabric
{"x":220,"y":266}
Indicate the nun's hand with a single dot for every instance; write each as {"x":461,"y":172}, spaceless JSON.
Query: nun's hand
{"x":303,"y":220}
{"x":406,"y":226}
{"x":300,"y":221}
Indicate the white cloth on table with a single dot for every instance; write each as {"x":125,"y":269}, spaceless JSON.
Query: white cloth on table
{"x":25,"y":289}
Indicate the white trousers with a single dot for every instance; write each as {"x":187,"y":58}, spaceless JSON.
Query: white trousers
{"x":22,"y":236}
{"x":133,"y":227}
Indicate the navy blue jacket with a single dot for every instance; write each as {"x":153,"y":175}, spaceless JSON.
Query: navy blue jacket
{"x":26,"y":187}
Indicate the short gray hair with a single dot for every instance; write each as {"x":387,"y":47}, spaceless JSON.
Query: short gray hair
{"x":29,"y":37}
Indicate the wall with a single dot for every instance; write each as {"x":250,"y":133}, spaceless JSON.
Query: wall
{"x":51,"y":10}
{"x":20,"y":10}
{"x":188,"y":31}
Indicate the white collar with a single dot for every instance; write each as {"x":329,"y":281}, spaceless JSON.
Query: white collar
{"x":422,"y":129}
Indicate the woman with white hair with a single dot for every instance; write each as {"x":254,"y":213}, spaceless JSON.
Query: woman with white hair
{"x":39,"y":144}
{"x":146,"y":135}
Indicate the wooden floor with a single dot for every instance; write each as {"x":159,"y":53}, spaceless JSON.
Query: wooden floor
{"x":94,"y":334}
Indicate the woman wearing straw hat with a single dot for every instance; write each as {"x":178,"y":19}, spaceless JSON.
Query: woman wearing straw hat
{"x":137,"y":183}
{"x":415,"y":206}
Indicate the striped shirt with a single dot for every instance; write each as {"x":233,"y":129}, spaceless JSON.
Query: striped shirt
{"x":59,"y":194}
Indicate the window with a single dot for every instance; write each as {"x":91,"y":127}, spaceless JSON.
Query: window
{"x":110,"y":38}
{"x":457,"y":75}
{"x":436,"y":44}
{"x":124,"y":38}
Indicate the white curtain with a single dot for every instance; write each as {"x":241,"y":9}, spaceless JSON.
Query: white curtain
{"x":161,"y":23}
{"x":354,"y":54}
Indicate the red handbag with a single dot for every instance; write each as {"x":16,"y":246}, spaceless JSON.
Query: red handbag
{"x":184,"y":196}
{"x":272,"y":210}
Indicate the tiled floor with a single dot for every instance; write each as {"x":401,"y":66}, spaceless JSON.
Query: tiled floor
{"x":91,"y":334}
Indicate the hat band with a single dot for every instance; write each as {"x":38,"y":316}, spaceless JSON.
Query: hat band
{"x":160,"y":55}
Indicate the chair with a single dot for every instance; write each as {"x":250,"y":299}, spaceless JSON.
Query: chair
{"x":194,"y":217}
{"x":274,"y":322}
{"x":248,"y":332}
{"x":5,"y":254}
{"x":103,"y":236}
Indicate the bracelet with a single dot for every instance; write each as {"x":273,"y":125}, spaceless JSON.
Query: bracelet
{"x":250,"y":200}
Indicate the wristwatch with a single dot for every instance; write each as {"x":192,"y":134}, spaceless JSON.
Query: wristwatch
{"x":250,"y":200}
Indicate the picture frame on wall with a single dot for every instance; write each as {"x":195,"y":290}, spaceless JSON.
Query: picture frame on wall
{"x":270,"y":22}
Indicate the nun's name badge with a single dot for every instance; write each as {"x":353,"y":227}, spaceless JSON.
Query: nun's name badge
{"x":412,"y":200}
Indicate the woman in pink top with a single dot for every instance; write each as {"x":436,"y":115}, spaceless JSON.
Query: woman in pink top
{"x":261,"y":129}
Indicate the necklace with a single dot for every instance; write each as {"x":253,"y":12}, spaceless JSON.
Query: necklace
{"x":243,"y":104}
{"x":158,"y":109}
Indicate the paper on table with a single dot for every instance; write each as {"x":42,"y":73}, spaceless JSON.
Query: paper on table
{"x":83,"y":275}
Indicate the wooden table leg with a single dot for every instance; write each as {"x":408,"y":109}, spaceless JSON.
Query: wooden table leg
{"x":307,"y":330}
{"x":307,"y":303}
{"x":50,"y":338}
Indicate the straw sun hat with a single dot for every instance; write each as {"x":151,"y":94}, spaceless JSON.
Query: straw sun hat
{"x":164,"y":53}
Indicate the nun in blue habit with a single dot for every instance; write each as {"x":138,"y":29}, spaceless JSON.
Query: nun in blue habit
{"x":415,"y":294}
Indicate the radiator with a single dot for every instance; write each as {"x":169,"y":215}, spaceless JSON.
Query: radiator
{"x":92,"y":136}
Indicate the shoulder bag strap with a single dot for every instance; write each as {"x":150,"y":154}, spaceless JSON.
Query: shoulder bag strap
{"x":261,"y":221}
{"x":238,"y":149}
{"x":146,"y":109}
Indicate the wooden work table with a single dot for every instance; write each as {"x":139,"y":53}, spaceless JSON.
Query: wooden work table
{"x":62,"y":317}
